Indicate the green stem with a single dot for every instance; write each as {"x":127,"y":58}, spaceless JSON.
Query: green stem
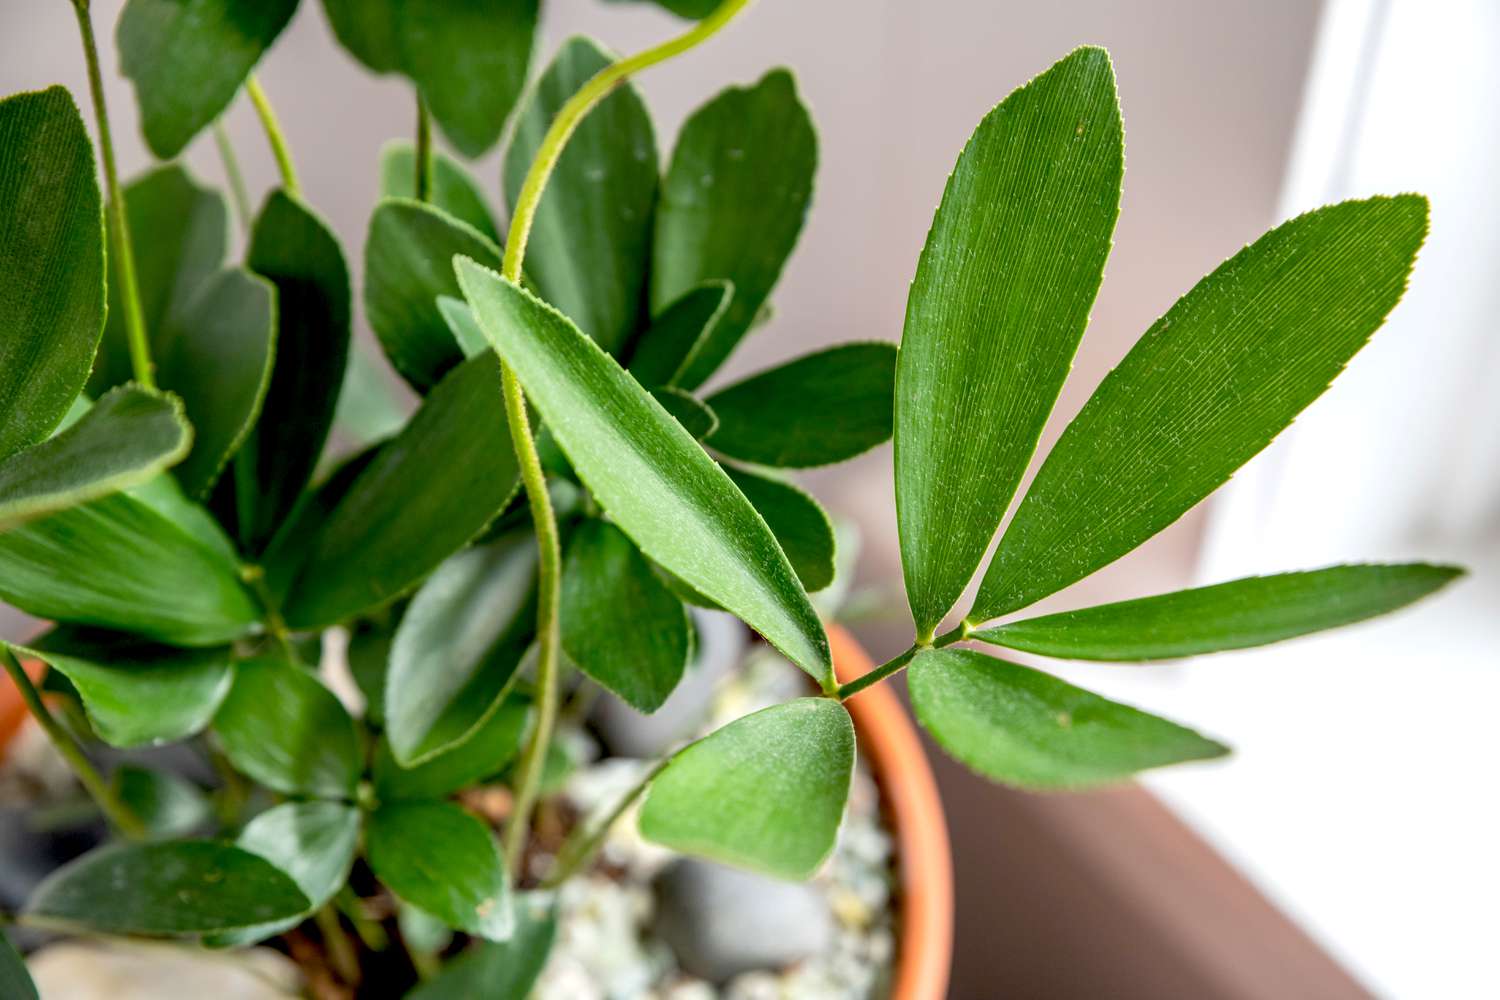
{"x":274,"y":135}
{"x":119,"y":228}
{"x":584,"y":842}
{"x":255,"y":578}
{"x":846,"y":691}
{"x":341,"y":953}
{"x":423,"y":157}
{"x":237,"y":190}
{"x":109,"y":803}
{"x":549,"y":573}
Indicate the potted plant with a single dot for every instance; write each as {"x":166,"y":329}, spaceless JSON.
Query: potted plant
{"x":566,"y":488}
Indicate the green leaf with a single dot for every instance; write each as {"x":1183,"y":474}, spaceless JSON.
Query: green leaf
{"x":655,"y":481}
{"x":446,"y":476}
{"x":15,"y":981}
{"x":693,"y":9}
{"x":692,"y":413}
{"x":620,"y":624}
{"x":136,"y":692}
{"x":482,"y":755}
{"x":463,"y":325}
{"x":667,"y":348}
{"x":368,"y":653}
{"x":816,"y":410}
{"x":1208,"y":386}
{"x":127,"y":437}
{"x":176,"y":888}
{"x":212,"y":330}
{"x":801,"y":527}
{"x":287,"y":731}
{"x":297,"y":252}
{"x":590,"y":241}
{"x":1000,"y":299}
{"x":369,"y":409}
{"x":458,"y":646}
{"x":1026,"y":728}
{"x":444,"y":47}
{"x":120,"y":563}
{"x":440,"y":859}
{"x":313,"y":843}
{"x":1235,"y":615}
{"x":288,"y":552}
{"x":500,"y":970}
{"x":188,"y":58}
{"x":765,"y":792}
{"x":51,"y":263}
{"x":168,"y":805}
{"x":454,"y":190}
{"x":732,"y":205}
{"x":408,"y":264}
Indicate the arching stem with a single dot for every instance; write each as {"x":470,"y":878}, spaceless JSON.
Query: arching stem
{"x":274,"y":135}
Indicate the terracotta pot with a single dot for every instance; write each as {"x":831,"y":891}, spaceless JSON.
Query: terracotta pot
{"x":12,"y":708}
{"x":894,"y":752}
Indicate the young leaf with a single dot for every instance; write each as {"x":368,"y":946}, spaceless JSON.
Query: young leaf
{"x":655,"y":481}
{"x":816,"y":410}
{"x":496,"y":742}
{"x":444,"y":47}
{"x":51,"y":263}
{"x":1208,"y":386}
{"x":287,"y":731}
{"x":458,"y":646}
{"x":500,"y":970}
{"x":128,"y":436}
{"x":446,"y":476}
{"x":454,"y":190}
{"x":668,"y":346}
{"x":313,"y":843}
{"x":168,"y":805}
{"x":766,"y":792}
{"x":120,"y":563}
{"x":188,"y":58}
{"x":732,"y":205}
{"x":408,"y":264}
{"x":1026,"y":728}
{"x":1234,"y":615}
{"x":297,"y":252}
{"x":801,"y":527}
{"x":212,"y":331}
{"x":440,"y":859}
{"x":999,"y":302}
{"x":620,"y":624}
{"x":176,"y":888}
{"x":692,"y":413}
{"x":15,"y":981}
{"x":590,"y":242}
{"x":134,"y":692}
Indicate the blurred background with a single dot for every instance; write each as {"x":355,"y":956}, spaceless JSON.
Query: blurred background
{"x":1350,"y":844}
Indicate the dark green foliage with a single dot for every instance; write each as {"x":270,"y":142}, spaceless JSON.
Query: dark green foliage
{"x":444,"y":862}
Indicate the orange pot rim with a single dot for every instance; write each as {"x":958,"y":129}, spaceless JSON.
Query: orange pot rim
{"x":892,"y":748}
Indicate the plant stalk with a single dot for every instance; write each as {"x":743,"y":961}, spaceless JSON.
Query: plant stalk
{"x":274,"y":135}
{"x":584,"y":842}
{"x":846,"y":691}
{"x":423,"y":158}
{"x":240,"y":195}
{"x":109,"y":803}
{"x":119,"y":227}
{"x":549,"y":573}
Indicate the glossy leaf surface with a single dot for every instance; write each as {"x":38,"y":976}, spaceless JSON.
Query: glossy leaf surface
{"x":732,"y":205}
{"x":482,"y":755}
{"x":1233,"y":615}
{"x":765,"y":792}
{"x":446,"y":476}
{"x":801,"y":527}
{"x":998,"y":305}
{"x":655,"y":481}
{"x":454,"y":189}
{"x":287,"y":731}
{"x":408,"y":264}
{"x":168,"y":805}
{"x":442,"y":860}
{"x":500,"y":970}
{"x":590,"y":241}
{"x":188,"y":58}
{"x":668,"y":346}
{"x":816,"y":410}
{"x":138,"y":693}
{"x":1209,"y":385}
{"x":51,"y":263}
{"x":298,"y":253}
{"x":128,"y":436}
{"x":1026,"y":728}
{"x":458,"y":647}
{"x":620,"y":623}
{"x":175,"y":888}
